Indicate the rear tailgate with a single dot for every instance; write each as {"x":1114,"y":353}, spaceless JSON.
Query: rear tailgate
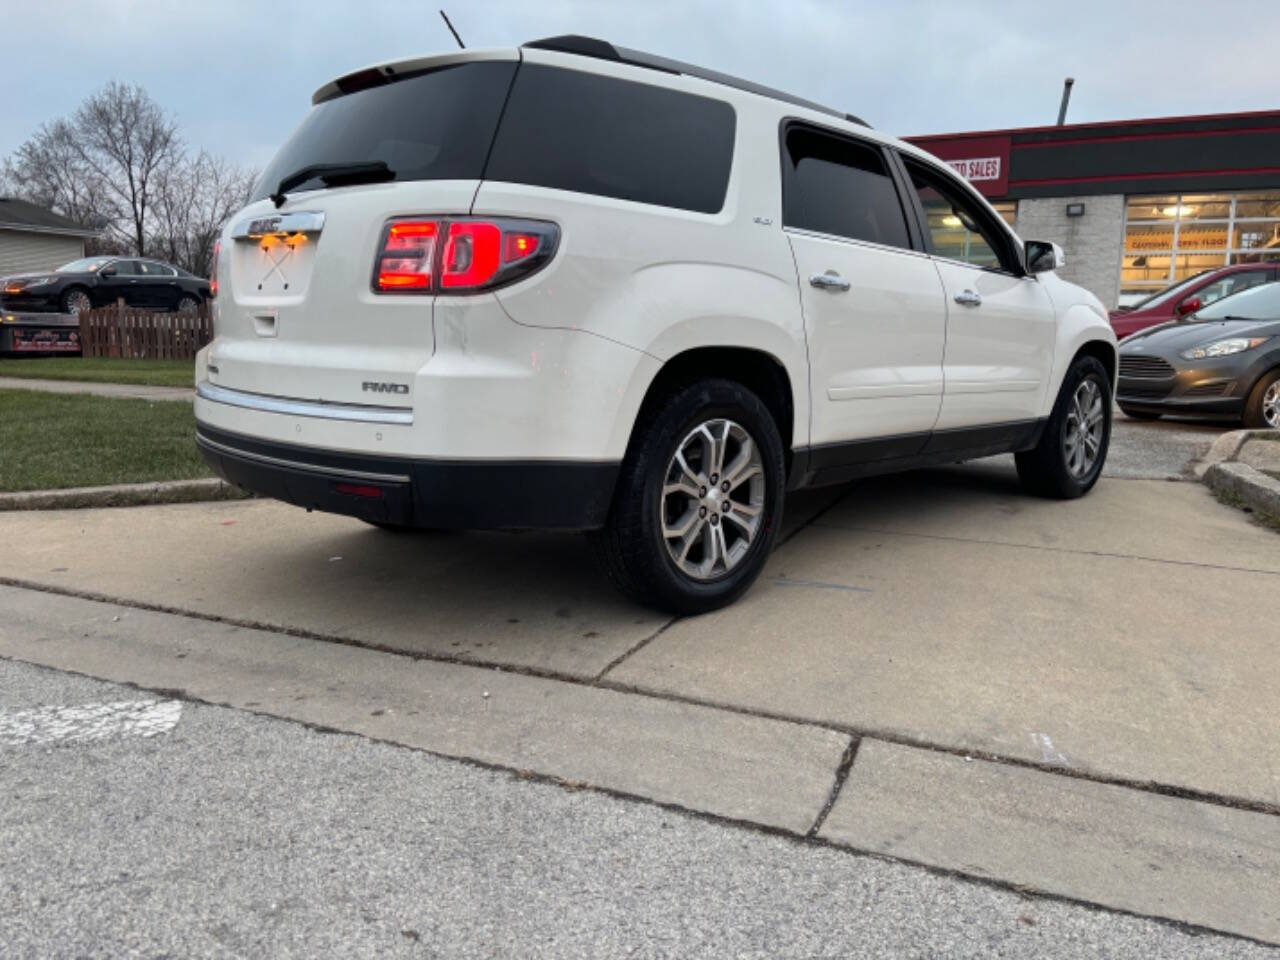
{"x":296,"y":315}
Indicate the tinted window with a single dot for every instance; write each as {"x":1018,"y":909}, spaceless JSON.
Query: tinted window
{"x":126,"y":268}
{"x":614,"y":138}
{"x":959,"y":227}
{"x":156,"y":269}
{"x":434,"y":126}
{"x":842,"y":187}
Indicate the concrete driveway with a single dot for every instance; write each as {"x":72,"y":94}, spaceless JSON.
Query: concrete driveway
{"x":1076,"y":698}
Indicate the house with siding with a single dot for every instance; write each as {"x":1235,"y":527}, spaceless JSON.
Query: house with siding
{"x":33,"y":239}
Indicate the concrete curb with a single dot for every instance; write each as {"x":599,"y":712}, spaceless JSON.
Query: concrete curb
{"x":123,"y":495}
{"x":1227,"y":448}
{"x":1241,"y":482}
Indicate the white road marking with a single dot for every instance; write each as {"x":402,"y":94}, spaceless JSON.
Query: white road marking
{"x":88,"y":721}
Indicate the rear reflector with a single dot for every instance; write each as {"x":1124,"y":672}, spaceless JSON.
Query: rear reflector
{"x":359,"y":490}
{"x":213,"y":271}
{"x":461,"y":254}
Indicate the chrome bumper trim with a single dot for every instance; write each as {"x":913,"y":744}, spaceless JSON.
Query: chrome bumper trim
{"x":322,"y":409}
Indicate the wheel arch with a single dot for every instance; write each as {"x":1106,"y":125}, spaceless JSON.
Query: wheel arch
{"x":1105,"y":353}
{"x":759,"y":371}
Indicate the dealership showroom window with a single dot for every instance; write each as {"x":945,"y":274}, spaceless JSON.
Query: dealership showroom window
{"x":1137,"y":205}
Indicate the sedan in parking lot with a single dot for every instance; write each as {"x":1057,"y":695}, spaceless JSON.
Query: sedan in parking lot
{"x":1221,"y":361}
{"x":1188,"y":296}
{"x":99,"y":281}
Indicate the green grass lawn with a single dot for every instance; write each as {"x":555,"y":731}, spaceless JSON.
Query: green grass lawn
{"x":50,"y":441}
{"x":151,"y":373}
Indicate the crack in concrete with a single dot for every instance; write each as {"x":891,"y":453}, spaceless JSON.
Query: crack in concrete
{"x":637,"y":647}
{"x":843,"y":770}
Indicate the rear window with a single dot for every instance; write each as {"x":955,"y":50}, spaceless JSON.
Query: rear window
{"x":615,"y":138}
{"x":434,"y":126}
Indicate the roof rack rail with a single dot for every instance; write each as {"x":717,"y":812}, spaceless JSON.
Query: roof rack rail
{"x":603,"y":50}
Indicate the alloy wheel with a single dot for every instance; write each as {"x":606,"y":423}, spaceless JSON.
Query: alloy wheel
{"x":713,"y":499}
{"x":78,"y":302}
{"x":1271,"y":405}
{"x":1083,"y":431}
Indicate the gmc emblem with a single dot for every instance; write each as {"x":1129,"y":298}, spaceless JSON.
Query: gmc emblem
{"x":264,"y":227}
{"x":376,"y":386}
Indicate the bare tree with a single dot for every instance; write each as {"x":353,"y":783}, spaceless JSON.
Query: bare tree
{"x":192,"y":199}
{"x":125,"y":139}
{"x":119,"y":164}
{"x":49,"y":171}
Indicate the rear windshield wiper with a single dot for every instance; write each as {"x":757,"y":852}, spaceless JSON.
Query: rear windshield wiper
{"x":334,"y":174}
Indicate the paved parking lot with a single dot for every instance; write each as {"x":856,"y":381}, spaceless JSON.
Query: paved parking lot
{"x":1076,"y":698}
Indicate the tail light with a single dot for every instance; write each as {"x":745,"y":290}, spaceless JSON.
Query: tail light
{"x":460,"y":255}
{"x":213,"y":270}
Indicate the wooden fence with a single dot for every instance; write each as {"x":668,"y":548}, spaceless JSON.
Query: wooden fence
{"x":122,"y":331}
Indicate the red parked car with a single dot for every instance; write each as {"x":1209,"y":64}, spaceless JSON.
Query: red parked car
{"x":1188,"y":296}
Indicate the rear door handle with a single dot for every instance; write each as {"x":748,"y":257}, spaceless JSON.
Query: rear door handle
{"x":829,"y":281}
{"x":967,"y":298}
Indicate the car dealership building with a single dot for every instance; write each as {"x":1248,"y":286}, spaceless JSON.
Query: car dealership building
{"x":1135,"y":204}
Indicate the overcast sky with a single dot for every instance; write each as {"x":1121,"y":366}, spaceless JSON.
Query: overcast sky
{"x":239,"y":75}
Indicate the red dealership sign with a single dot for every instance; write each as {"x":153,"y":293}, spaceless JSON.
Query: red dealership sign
{"x":983,"y":161}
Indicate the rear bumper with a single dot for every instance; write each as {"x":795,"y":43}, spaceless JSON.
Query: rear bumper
{"x":450,"y":494}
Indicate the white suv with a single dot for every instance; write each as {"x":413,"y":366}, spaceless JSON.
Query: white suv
{"x":580,"y":287}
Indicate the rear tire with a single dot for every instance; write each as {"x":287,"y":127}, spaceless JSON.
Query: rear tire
{"x":1073,"y":448}
{"x":188,"y":306}
{"x":676,"y":539}
{"x":1262,"y":409}
{"x":1133,"y":414}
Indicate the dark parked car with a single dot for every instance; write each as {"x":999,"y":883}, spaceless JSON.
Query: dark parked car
{"x":98,"y":281}
{"x":1189,"y":295}
{"x":1223,"y":360}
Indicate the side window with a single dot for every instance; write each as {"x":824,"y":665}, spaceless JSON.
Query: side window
{"x":614,"y":138}
{"x":126,"y":268}
{"x":1231,"y":283}
{"x":156,"y":269}
{"x":841,"y":187}
{"x":958,"y":226}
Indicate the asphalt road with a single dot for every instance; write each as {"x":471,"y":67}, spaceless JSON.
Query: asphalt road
{"x":225,"y":834}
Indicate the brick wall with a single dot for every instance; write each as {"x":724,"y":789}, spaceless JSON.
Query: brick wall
{"x":1093,"y":243}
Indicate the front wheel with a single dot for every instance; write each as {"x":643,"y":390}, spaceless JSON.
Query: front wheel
{"x":698,"y":501}
{"x":76,"y":301}
{"x":1262,"y":409}
{"x":1069,"y":457}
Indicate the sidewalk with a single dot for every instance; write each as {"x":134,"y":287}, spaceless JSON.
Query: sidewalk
{"x":99,"y":389}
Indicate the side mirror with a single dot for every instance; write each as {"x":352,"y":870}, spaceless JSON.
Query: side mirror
{"x":1189,"y":305}
{"x":1042,"y":256}
{"x":107,"y":272}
